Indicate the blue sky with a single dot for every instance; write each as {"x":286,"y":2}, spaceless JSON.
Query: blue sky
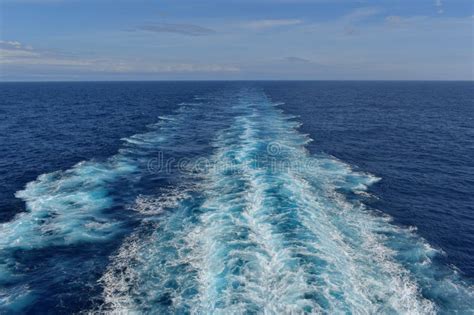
{"x":236,"y":39}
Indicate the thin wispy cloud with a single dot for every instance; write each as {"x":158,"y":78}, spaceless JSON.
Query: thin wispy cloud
{"x":361,"y":14}
{"x":15,"y":49}
{"x":13,"y":45}
{"x":10,"y":44}
{"x":294,"y":59}
{"x":358,"y":15}
{"x":439,"y":6}
{"x":187,"y":67}
{"x":183,"y":29}
{"x":16,"y":54}
{"x":271,"y":23}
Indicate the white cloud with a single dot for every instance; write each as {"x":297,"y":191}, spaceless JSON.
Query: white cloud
{"x":263,"y":24}
{"x":13,"y":45}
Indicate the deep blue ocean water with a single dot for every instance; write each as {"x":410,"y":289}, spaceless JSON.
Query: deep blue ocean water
{"x":221,"y":197}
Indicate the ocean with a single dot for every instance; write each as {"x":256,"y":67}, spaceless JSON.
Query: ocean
{"x":247,"y":197}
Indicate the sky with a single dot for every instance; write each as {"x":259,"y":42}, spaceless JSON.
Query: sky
{"x":57,"y":40}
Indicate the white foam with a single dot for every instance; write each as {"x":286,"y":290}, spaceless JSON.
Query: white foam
{"x":274,"y":241}
{"x":169,"y":198}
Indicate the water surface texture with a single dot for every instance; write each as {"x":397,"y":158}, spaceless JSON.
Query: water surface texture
{"x":237,"y":197}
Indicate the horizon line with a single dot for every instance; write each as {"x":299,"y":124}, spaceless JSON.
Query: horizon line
{"x":236,"y":80}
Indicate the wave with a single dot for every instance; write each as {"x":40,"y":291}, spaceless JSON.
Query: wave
{"x":270,"y":228}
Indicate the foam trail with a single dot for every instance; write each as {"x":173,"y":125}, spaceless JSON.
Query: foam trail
{"x":268,"y":228}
